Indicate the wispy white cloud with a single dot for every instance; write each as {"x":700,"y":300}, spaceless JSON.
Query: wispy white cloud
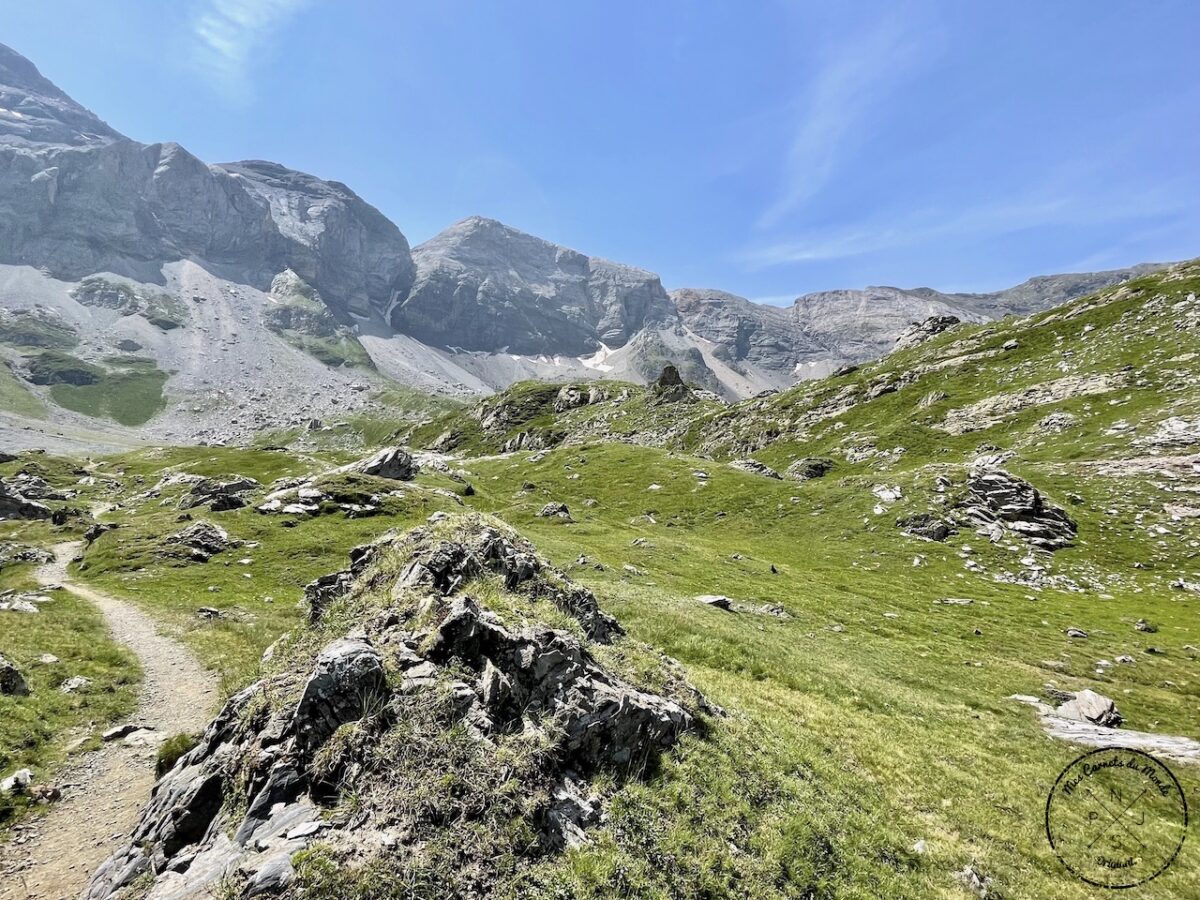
{"x":853,"y":76}
{"x":925,"y":227}
{"x":227,"y":33}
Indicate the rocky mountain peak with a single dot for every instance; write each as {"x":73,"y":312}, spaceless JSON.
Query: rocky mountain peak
{"x":484,"y":286}
{"x":32,"y":108}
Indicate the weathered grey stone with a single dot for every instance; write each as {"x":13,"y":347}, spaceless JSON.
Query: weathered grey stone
{"x":809,"y":467}
{"x":555,"y":510}
{"x":220,"y":494}
{"x":920,"y":332}
{"x":12,"y":682}
{"x":754,"y":467}
{"x":17,"y":783}
{"x":391,"y":462}
{"x":202,"y":540}
{"x":1088,"y":706}
{"x":926,"y":525}
{"x":999,"y":497}
{"x":481,"y":285}
{"x":14,"y":505}
{"x":237,"y":808}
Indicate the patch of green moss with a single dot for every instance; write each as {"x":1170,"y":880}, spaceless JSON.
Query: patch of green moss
{"x":130,"y":393}
{"x":36,"y":328}
{"x":306,"y":323}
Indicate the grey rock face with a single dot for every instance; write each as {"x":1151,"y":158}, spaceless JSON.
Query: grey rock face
{"x":920,"y":332}
{"x":744,"y":332}
{"x":481,"y":285}
{"x":37,"y":111}
{"x":76,"y":198}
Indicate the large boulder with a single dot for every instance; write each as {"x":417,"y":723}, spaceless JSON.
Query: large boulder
{"x":12,"y":682}
{"x":1088,"y":706}
{"x":926,"y":526}
{"x":395,"y":463}
{"x":220,"y":494}
{"x":202,"y":540}
{"x":555,"y":510}
{"x":809,"y":467}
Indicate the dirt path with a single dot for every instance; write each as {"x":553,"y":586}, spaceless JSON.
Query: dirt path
{"x":104,"y":790}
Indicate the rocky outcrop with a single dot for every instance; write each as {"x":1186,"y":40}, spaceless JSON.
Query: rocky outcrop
{"x":744,"y":333}
{"x":997,"y":499}
{"x":14,"y":505}
{"x":430,"y":688}
{"x":13,"y":553}
{"x":220,"y":494}
{"x":1088,"y":706}
{"x":12,"y":682}
{"x":574,"y":396}
{"x":754,"y":467}
{"x":920,"y":332}
{"x":554,"y":510}
{"x":669,"y":386}
{"x":809,"y":467}
{"x":993,"y":410}
{"x":926,"y":526}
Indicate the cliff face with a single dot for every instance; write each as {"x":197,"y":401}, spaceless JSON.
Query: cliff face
{"x":481,"y":285}
{"x":77,"y":197}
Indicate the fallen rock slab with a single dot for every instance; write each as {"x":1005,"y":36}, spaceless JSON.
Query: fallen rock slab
{"x":1164,"y":746}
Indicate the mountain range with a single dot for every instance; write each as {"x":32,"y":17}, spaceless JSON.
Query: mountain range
{"x":240,"y":297}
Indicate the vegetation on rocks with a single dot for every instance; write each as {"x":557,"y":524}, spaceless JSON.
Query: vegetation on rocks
{"x":298,"y":315}
{"x":159,"y":308}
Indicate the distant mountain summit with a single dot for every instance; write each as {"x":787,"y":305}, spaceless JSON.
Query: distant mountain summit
{"x":481,"y":285}
{"x":142,"y":252}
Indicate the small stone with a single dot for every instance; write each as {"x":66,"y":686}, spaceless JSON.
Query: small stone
{"x":119,"y":731}
{"x":17,"y":783}
{"x":75,"y":684}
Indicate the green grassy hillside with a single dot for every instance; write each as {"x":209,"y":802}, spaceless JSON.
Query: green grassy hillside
{"x":870,"y":747}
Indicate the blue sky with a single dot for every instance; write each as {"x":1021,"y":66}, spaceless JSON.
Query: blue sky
{"x":767,"y":148}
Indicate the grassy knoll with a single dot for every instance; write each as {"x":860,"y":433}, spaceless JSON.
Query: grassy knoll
{"x":35,"y":730}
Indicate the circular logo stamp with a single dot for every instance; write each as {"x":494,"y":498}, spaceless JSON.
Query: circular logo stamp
{"x":1116,"y":817}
